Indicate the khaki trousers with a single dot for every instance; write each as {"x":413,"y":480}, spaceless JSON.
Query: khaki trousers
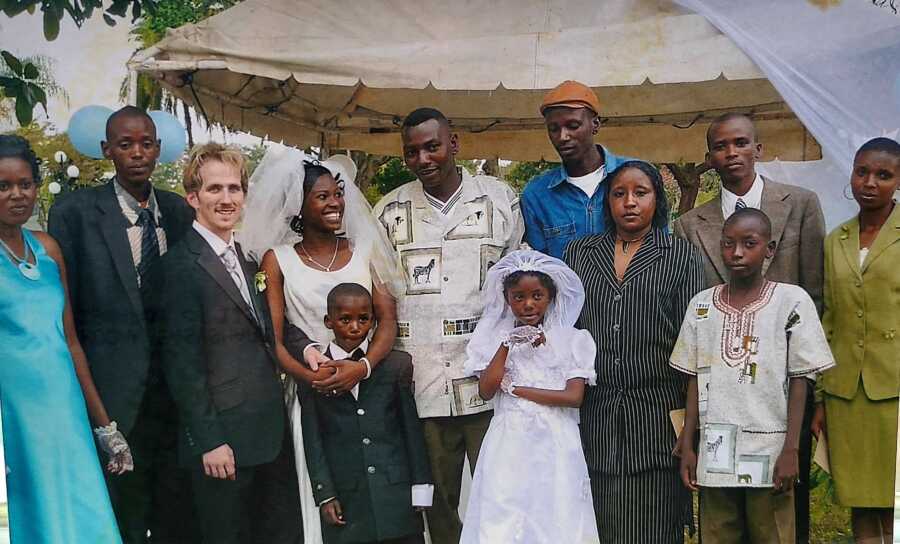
{"x":733,"y":515}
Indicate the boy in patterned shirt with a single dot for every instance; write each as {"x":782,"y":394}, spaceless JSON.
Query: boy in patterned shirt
{"x":748,"y":346}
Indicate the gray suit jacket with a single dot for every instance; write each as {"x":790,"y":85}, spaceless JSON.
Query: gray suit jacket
{"x":798,"y":227}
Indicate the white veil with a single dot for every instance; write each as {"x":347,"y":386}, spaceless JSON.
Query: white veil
{"x":275,"y":197}
{"x":497,"y":319}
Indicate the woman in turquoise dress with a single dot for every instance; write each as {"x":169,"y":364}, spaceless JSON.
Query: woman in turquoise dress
{"x":55,"y":486}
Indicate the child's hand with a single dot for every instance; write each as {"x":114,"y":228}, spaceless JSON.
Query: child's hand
{"x":332,"y":514}
{"x":688,"y":465}
{"x":817,"y":425}
{"x":541,"y":339}
{"x":787,"y":470}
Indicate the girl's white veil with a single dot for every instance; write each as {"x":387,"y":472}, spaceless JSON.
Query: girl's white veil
{"x":497,"y":319}
{"x":275,"y":197}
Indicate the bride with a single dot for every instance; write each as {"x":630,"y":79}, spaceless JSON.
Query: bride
{"x":310,"y":228}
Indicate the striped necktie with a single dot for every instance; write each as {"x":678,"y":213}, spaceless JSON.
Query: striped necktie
{"x":740,"y":204}
{"x":149,"y":244}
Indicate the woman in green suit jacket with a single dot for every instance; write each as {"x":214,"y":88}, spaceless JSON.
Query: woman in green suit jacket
{"x":862,"y":297}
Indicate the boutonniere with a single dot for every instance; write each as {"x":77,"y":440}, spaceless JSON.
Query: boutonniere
{"x":260,"y":279}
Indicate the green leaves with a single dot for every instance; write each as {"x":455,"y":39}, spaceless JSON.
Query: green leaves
{"x":55,"y":10}
{"x":14,"y":64}
{"x":22,"y":87}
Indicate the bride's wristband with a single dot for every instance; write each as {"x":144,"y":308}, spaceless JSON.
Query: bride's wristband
{"x":368,"y":367}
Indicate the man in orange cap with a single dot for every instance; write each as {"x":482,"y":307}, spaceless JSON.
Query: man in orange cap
{"x":565,"y":203}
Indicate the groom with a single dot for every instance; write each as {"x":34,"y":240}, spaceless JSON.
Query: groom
{"x":218,"y":361}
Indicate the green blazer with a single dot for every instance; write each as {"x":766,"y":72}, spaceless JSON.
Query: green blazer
{"x":368,"y":453}
{"x":862,"y":311}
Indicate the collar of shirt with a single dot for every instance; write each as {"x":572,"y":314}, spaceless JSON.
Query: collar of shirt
{"x":588,"y":182}
{"x":445,"y":207}
{"x":611,"y":161}
{"x":752,"y":199}
{"x":217,"y":244}
{"x":131,"y":208}
{"x":338,"y":353}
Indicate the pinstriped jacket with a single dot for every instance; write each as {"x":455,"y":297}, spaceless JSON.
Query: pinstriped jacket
{"x":625,"y":417}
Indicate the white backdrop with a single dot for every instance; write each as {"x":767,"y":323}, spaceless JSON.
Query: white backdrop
{"x":837,"y":65}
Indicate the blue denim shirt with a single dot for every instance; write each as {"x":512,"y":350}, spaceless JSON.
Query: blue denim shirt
{"x":557,"y":212}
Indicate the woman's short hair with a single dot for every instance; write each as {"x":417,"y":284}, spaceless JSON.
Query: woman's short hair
{"x":212,"y":151}
{"x":13,"y":146}
{"x":661,"y":214}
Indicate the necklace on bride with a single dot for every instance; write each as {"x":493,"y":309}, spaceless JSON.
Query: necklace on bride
{"x":27,"y":269}
{"x":337,"y":242}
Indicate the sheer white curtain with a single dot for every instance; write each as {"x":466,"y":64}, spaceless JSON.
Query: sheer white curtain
{"x":837,"y":64}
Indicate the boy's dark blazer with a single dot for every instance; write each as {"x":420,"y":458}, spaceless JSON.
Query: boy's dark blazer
{"x":218,"y":359}
{"x":368,"y":453}
{"x":115,"y":331}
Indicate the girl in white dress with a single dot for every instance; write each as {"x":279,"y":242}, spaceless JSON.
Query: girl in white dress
{"x":531,"y":481}
{"x":310,"y":228}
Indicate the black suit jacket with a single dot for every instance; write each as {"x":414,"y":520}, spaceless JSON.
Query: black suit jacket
{"x":217,"y":358}
{"x":367,"y":453}
{"x":118,"y":334}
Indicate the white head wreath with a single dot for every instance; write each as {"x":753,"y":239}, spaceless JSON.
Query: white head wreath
{"x":497,"y":318}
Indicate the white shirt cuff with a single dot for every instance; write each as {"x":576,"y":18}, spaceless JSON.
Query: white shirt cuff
{"x":422,"y":495}
{"x":326,"y":501}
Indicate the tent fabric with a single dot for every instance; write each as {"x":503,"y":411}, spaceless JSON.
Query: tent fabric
{"x":342,"y":74}
{"x":838,"y":66}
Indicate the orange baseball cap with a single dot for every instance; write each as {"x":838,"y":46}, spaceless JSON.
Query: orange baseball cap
{"x":571,"y":94}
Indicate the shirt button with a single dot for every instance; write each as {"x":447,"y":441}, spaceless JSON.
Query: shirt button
{"x":319,"y":486}
{"x":366,"y":441}
{"x":617,"y":298}
{"x":860,"y":343}
{"x":616,"y":360}
{"x":616,"y":327}
{"x":859,"y":313}
{"x":858,"y":284}
{"x":447,"y":364}
{"x":361,"y":412}
{"x":446,"y":278}
{"x":371,"y":470}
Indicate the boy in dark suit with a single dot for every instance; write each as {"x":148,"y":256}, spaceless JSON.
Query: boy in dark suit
{"x":112,"y":237}
{"x":365,"y":450}
{"x":219,"y":364}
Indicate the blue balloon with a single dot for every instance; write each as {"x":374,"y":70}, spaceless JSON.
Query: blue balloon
{"x":87,"y":128}
{"x":171,"y":134}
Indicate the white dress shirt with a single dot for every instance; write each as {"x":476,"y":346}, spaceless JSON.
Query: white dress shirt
{"x":752,"y":199}
{"x":219,"y":247}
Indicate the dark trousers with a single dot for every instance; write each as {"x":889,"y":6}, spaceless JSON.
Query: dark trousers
{"x":260,"y":506}
{"x":156,"y":496}
{"x":801,"y":489}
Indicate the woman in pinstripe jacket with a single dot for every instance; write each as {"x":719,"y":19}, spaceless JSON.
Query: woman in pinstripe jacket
{"x":638,"y":281}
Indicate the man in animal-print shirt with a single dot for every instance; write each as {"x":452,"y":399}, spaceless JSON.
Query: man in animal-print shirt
{"x":449,"y":227}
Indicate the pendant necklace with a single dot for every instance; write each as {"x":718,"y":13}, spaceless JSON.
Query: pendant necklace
{"x":337,"y":242}
{"x":30,"y":271}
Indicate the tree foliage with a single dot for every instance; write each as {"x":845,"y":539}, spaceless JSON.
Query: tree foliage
{"x":24,"y":81}
{"x":520,"y":173}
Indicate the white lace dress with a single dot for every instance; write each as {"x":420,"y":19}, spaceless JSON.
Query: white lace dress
{"x":531,"y":481}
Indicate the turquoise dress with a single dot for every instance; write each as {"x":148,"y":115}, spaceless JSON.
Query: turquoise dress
{"x":55,"y":485}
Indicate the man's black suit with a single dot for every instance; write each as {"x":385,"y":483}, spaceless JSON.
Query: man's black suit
{"x":118,"y":333}
{"x":218,"y":359}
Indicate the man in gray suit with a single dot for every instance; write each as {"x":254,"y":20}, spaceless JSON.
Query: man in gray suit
{"x":798,"y":229}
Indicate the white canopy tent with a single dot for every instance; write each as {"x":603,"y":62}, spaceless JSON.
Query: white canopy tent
{"x":342,"y":74}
